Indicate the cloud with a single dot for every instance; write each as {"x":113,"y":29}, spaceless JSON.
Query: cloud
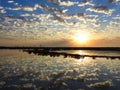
{"x":54,"y":1}
{"x":96,"y":24}
{"x":26,"y":14}
{"x":18,"y":8}
{"x":13,"y":17}
{"x":28,"y":8}
{"x":65,"y":10}
{"x":10,"y":1}
{"x":63,"y":3}
{"x":101,"y":9}
{"x":1,"y":7}
{"x":2,"y":10}
{"x":113,"y":1}
{"x":58,"y":18}
{"x":13,"y":22}
{"x":78,"y":15}
{"x":91,"y":16}
{"x":85,"y":3}
{"x":67,"y":3}
{"x":51,"y":10}
{"x":117,"y":17}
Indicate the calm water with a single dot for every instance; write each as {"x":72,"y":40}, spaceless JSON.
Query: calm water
{"x":28,"y":71}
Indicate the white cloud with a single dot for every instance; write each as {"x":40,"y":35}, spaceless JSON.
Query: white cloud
{"x":1,"y":7}
{"x":28,"y":8}
{"x":25,"y":15}
{"x":113,"y":1}
{"x":10,"y":1}
{"x":2,"y":11}
{"x":117,"y":17}
{"x":101,"y":9}
{"x":18,"y":8}
{"x":67,"y":3}
{"x":65,"y":10}
{"x":63,"y":3}
{"x":86,"y":3}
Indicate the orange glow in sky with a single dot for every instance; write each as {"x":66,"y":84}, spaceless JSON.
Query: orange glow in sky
{"x":81,"y":38}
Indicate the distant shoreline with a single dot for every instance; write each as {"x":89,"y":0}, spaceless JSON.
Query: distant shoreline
{"x":65,"y":48}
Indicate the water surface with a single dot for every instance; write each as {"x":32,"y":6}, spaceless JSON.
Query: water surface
{"x":19,"y":69}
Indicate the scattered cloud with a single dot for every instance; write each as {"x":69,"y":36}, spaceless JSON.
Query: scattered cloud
{"x":18,"y":8}
{"x":10,"y":1}
{"x":13,"y":18}
{"x":27,"y":8}
{"x":2,"y":10}
{"x":113,"y":1}
{"x":86,"y":3}
{"x":101,"y":9}
{"x":67,"y":3}
{"x":58,"y":18}
{"x":54,"y":1}
{"x":26,"y":14}
{"x":63,"y":3}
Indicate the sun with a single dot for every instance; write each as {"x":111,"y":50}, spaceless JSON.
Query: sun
{"x":81,"y":38}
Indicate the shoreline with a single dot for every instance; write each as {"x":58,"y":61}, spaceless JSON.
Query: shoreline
{"x":65,"y":48}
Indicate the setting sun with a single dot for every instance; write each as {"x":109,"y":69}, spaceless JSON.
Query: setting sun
{"x":81,"y":38}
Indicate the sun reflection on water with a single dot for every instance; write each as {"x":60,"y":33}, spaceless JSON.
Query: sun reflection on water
{"x":80,"y":52}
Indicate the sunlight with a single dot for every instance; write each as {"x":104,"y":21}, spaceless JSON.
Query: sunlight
{"x":81,"y":52}
{"x":81,"y":38}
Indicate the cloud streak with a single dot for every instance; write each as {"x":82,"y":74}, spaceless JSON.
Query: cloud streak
{"x":101,"y":9}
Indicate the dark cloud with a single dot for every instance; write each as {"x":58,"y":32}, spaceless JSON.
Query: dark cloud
{"x":104,"y":8}
{"x":58,"y":18}
{"x":51,"y":10}
{"x":78,"y":14}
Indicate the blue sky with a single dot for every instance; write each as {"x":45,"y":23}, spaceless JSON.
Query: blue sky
{"x":55,"y":22}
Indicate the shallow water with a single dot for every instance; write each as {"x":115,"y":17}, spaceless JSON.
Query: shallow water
{"x":92,"y":52}
{"x":19,"y":69}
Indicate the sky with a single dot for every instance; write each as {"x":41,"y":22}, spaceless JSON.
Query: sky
{"x":90,"y":23}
